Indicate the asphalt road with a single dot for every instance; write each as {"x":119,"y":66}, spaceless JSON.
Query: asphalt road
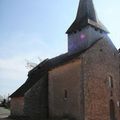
{"x":4,"y":113}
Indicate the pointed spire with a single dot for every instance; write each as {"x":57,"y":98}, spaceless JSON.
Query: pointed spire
{"x":86,"y":9}
{"x":86,"y":15}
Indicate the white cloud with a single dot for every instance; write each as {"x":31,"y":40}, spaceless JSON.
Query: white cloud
{"x":12,"y":74}
{"x":14,"y":64}
{"x":15,"y":48}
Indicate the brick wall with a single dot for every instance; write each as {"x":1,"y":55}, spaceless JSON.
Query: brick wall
{"x":17,"y":104}
{"x":100,"y":62}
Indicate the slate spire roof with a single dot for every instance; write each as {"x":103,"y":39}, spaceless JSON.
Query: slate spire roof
{"x":86,"y":15}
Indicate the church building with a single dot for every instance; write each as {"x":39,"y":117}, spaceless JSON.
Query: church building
{"x":82,"y":84}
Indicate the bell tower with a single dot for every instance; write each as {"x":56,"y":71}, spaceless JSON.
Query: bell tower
{"x":86,"y":28}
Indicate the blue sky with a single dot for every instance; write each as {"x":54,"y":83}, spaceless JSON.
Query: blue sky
{"x":36,"y":28}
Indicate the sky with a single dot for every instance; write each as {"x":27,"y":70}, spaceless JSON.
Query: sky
{"x":35,"y":29}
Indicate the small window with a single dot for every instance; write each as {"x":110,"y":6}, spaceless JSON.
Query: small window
{"x":118,"y":103}
{"x":101,"y":50}
{"x":96,"y":29}
{"x":65,"y":94}
{"x":101,"y":31}
{"x":112,"y":110}
{"x":110,"y":79}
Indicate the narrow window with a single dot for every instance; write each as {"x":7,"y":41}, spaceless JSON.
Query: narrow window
{"x":96,"y":29}
{"x":65,"y":94}
{"x":112,"y":110}
{"x":101,"y":50}
{"x":101,"y":31}
{"x":118,"y":103}
{"x":110,"y":79}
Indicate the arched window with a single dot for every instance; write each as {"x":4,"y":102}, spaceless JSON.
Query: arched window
{"x":110,"y":79}
{"x":112,"y":110}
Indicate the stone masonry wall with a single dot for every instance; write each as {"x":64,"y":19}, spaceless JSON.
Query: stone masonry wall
{"x":99,"y":63}
{"x":17,"y":104}
{"x":36,"y":100}
{"x":65,"y":91}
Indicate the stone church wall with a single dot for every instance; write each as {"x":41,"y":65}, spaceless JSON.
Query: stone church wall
{"x":100,"y":64}
{"x":65,"y":94}
{"x":84,"y":88}
{"x":17,"y":105}
{"x":36,"y":100}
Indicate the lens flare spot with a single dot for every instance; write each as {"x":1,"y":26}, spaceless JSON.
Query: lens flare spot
{"x":82,"y":36}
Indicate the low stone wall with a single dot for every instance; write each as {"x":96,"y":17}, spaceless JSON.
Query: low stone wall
{"x":17,"y":105}
{"x":36,"y":100}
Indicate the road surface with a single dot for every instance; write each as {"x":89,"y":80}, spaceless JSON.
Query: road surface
{"x":4,"y":113}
